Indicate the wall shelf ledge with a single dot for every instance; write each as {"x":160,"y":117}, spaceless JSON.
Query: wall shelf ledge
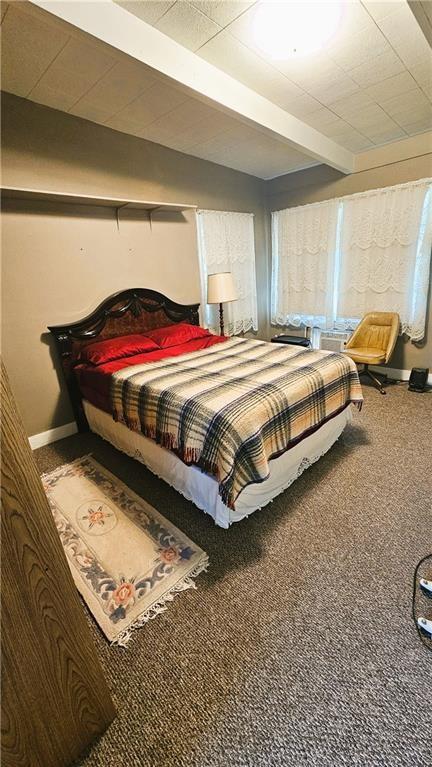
{"x":19,"y":193}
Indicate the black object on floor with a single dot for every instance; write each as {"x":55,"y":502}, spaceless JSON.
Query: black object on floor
{"x":418,"y":379}
{"x":420,"y":606}
{"x":295,"y":340}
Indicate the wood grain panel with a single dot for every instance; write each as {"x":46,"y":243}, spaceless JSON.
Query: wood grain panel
{"x":55,"y":699}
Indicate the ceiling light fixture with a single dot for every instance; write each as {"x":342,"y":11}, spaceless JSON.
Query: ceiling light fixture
{"x":285,"y":29}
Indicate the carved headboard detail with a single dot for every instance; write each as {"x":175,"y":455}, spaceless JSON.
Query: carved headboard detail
{"x":134,"y":310}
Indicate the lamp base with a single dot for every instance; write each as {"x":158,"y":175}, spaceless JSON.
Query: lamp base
{"x":221,"y":321}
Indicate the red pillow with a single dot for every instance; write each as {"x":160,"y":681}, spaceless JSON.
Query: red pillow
{"x":115,"y":348}
{"x":172,"y":335}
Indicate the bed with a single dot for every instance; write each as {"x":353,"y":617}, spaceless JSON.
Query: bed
{"x":229,"y":423}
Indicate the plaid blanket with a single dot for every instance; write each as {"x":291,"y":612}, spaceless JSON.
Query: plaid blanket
{"x":231,"y":408}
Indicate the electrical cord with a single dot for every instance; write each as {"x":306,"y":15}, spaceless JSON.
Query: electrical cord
{"x":415,"y":587}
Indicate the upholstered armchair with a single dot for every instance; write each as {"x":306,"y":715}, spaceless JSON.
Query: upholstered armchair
{"x":373,"y":342}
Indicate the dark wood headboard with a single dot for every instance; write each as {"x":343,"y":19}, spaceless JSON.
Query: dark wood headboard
{"x":134,"y":310}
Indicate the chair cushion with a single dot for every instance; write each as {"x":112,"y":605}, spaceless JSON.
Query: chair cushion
{"x":366,"y":354}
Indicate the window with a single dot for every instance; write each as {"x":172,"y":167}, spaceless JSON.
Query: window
{"x":226,"y":244}
{"x":336,"y":260}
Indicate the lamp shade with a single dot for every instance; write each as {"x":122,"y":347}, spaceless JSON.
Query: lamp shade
{"x":220,"y":288}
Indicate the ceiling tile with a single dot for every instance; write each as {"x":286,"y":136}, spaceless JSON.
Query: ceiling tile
{"x":345,"y":135}
{"x":233,"y":153}
{"x":419,"y":126}
{"x":121,"y":85}
{"x":421,"y":115}
{"x":422,"y":72}
{"x":223,"y":12}
{"x":322,"y":118}
{"x":243,"y":27}
{"x":338,"y":128}
{"x":74,"y":71}
{"x":404,"y":34}
{"x":187,"y":26}
{"x":234,"y":58}
{"x":206,"y":129}
{"x":343,"y":88}
{"x":384,"y":135}
{"x":354,"y":141}
{"x":369,"y":119}
{"x":392,"y":86}
{"x":381,"y":131}
{"x":154,"y":103}
{"x":149,"y":11}
{"x":182,"y":118}
{"x":28,"y":48}
{"x":89,"y":111}
{"x":303,"y":105}
{"x":359,"y":48}
{"x":280,"y":91}
{"x":399,"y":25}
{"x":311,"y":72}
{"x":212,"y":146}
{"x":414,"y":52}
{"x":355,"y":18}
{"x":254,"y":159}
{"x":379,"y":9}
{"x":162,"y":135}
{"x":351,"y":104}
{"x":413,"y":100}
{"x":377,"y":69}
{"x":117,"y":122}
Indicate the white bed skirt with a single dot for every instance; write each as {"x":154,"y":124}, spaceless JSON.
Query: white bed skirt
{"x":201,"y":489}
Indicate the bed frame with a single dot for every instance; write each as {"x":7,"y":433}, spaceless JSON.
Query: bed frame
{"x":134,"y":310}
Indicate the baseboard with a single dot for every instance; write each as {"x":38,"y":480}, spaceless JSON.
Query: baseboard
{"x":396,"y":374}
{"x":52,"y":435}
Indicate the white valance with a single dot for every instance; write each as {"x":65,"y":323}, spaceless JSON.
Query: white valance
{"x":227,"y":244}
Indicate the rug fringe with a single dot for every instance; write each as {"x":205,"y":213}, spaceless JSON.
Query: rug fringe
{"x":62,"y":465}
{"x":161,"y":605}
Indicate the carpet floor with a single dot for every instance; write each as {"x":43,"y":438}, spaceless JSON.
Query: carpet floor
{"x":298,"y":648}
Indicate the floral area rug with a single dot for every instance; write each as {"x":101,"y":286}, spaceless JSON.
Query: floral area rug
{"x":126,"y":559}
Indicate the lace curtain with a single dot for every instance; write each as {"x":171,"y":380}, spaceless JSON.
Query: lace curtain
{"x":336,"y":260}
{"x":304,"y":245}
{"x":226,"y":244}
{"x":386,"y":243}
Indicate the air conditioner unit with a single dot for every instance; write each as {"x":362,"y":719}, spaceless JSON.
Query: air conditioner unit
{"x":333,"y":340}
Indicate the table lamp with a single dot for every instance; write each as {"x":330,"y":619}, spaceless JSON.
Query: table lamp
{"x":221,"y":288}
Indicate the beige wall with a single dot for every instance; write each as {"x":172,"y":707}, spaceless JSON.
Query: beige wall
{"x":323,"y":183}
{"x":60,"y":261}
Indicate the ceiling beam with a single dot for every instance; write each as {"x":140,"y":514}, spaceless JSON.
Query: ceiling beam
{"x":422,"y":12}
{"x":123,"y":31}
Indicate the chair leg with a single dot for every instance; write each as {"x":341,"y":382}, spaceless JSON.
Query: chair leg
{"x":376,"y":381}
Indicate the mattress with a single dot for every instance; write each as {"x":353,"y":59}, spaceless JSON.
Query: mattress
{"x":202,"y":489}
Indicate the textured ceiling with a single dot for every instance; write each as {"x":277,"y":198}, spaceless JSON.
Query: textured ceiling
{"x":372,"y":86}
{"x":52,"y":63}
